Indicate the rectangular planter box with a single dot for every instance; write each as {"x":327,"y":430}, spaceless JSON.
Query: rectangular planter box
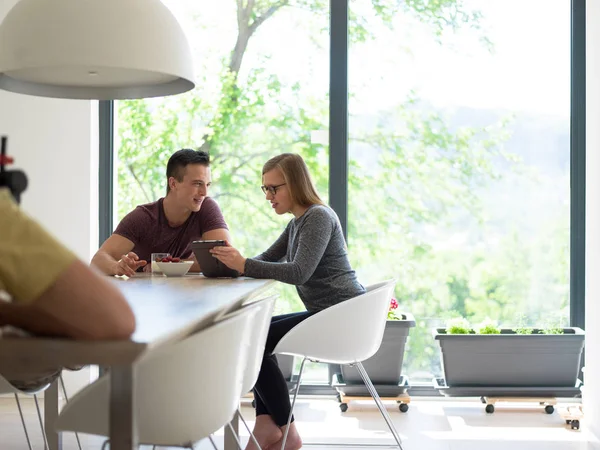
{"x":510,"y":359}
{"x":385,"y":366}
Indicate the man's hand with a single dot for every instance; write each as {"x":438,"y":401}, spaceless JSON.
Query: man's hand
{"x":229,"y":256}
{"x":128,"y":264}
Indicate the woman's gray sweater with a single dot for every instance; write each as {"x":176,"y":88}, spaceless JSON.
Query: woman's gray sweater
{"x":310,"y":254}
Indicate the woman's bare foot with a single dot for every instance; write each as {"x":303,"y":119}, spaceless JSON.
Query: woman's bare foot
{"x":266,"y":433}
{"x":293,"y":441}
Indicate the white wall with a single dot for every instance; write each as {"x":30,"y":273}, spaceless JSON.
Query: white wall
{"x":51,"y":141}
{"x":592,"y":300}
{"x":56,"y":143}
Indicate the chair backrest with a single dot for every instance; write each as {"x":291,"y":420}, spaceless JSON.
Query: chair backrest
{"x":183,"y":392}
{"x":373,"y":287}
{"x":345,"y":333}
{"x":36,"y":382}
{"x":36,"y":386}
{"x":259,"y":329}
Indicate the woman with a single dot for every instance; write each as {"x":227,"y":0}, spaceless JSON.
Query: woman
{"x":310,"y":254}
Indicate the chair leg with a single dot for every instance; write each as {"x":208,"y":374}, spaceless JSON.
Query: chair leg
{"x":235,"y":435}
{"x":37,"y":406}
{"x":379,"y":403}
{"x":212,"y":441}
{"x":64,"y":389}
{"x":239,"y":414}
{"x":287,"y":429}
{"x":23,"y":421}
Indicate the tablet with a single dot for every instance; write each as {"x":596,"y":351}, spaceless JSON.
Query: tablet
{"x":211,"y":267}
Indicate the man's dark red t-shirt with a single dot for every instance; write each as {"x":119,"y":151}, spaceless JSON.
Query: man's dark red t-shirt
{"x":147,"y":227}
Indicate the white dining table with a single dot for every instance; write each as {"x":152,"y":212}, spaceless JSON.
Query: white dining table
{"x":166,"y":310}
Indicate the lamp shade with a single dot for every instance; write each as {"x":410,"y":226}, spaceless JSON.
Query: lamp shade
{"x":94,"y":49}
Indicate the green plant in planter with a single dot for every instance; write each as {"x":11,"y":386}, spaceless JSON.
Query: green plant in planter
{"x":547,"y":329}
{"x":488,"y":327}
{"x":458,"y":325}
{"x":551,"y":330}
{"x":524,"y":330}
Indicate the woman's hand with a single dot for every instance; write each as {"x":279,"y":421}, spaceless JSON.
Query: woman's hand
{"x":229,"y":256}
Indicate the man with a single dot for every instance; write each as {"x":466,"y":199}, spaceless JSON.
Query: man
{"x":168,"y":225}
{"x":46,"y":290}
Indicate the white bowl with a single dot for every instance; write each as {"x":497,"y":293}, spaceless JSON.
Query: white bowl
{"x":175,"y":269}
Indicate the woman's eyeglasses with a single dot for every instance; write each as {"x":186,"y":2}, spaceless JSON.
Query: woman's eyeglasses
{"x":271,"y":189}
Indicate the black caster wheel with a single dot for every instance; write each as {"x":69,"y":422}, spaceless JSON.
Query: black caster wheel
{"x":568,"y":421}
{"x":343,"y":407}
{"x":489,"y":409}
{"x":483,"y":400}
{"x":254,"y":403}
{"x":403,"y":407}
{"x":575,"y":425}
{"x":338,"y":398}
{"x":549,"y":409}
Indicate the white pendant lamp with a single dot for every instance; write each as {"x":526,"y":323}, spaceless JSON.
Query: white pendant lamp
{"x":94,"y":49}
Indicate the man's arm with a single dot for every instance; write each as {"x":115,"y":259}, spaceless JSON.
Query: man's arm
{"x":218,"y":234}
{"x":115,"y":258}
{"x":80,"y":304}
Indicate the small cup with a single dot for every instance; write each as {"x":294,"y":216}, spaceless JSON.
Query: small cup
{"x":159,"y":257}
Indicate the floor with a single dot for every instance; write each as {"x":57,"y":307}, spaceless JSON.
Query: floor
{"x":430,"y":424}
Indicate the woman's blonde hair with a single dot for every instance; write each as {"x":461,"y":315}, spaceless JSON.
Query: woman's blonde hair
{"x":297,"y":178}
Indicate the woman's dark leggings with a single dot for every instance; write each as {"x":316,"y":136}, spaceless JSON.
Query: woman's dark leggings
{"x":271,"y":392}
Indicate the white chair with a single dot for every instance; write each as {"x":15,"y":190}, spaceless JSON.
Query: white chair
{"x":7,"y":388}
{"x":347,"y":333}
{"x":184,"y":392}
{"x":257,"y":339}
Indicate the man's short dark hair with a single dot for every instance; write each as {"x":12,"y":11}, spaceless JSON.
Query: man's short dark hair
{"x":182,"y":158}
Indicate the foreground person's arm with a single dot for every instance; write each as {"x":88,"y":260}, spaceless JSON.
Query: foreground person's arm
{"x":52,"y":292}
{"x":80,"y":304}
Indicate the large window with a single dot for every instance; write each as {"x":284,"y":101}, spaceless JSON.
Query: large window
{"x":459,"y":150}
{"x":462,"y":138}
